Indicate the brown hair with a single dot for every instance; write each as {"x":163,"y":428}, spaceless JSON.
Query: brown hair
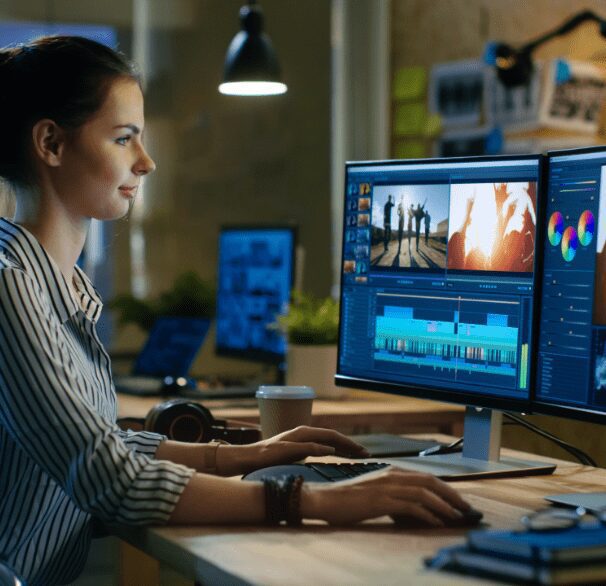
{"x":63,"y":78}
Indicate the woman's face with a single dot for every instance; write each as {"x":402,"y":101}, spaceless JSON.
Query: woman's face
{"x":104,"y":161}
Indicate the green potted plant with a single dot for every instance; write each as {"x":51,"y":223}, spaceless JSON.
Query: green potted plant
{"x":190,"y":296}
{"x":312,"y":329}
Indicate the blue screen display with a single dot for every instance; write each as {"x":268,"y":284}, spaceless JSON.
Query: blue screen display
{"x":171,"y":347}
{"x":572,"y":340}
{"x":255,"y":281}
{"x":438,"y":274}
{"x":13,"y":33}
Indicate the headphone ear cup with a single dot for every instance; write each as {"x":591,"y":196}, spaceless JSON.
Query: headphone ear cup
{"x":182,"y":421}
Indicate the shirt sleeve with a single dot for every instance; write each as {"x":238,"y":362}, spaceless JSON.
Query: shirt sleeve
{"x":144,"y":442}
{"x":43,"y":406}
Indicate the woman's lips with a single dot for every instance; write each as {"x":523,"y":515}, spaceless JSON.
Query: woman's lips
{"x":128,"y":191}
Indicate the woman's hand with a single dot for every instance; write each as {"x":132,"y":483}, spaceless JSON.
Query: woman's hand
{"x":391,"y":491}
{"x":284,"y":448}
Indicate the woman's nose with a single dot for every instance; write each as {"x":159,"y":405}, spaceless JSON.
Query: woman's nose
{"x":145,"y":164}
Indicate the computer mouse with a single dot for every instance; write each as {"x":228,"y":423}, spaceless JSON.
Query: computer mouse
{"x":469,"y":518}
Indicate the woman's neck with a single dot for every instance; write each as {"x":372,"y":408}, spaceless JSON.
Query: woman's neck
{"x":61,"y":234}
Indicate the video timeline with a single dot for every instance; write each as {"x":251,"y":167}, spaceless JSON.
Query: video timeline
{"x":470,"y":340}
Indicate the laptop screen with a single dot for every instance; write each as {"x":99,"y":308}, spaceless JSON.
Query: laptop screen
{"x":171,"y":347}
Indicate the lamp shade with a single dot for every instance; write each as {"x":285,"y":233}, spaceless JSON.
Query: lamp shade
{"x":251,"y":66}
{"x":514,"y":67}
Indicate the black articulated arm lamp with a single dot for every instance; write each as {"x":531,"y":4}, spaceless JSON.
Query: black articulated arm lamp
{"x":514,"y":66}
{"x":251,"y":66}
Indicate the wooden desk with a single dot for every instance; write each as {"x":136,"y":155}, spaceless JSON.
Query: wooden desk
{"x":358,"y":412}
{"x":372,"y":553}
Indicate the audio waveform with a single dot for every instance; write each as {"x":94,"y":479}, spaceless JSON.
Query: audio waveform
{"x":489,"y":348}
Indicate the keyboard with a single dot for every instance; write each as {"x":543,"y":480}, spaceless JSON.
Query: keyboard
{"x":317,"y":472}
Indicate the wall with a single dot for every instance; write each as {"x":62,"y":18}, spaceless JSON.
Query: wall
{"x":229,"y":160}
{"x":424,"y":33}
{"x":235,"y":160}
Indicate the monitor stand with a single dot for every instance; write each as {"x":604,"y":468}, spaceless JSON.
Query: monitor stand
{"x":480,"y":456}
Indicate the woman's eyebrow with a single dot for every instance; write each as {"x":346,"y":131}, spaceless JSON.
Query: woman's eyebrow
{"x":132,"y":127}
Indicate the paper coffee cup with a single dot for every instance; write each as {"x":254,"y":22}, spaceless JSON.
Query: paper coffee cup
{"x":284,"y":407}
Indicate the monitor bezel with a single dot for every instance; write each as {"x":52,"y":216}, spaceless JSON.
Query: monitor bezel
{"x":431,"y":392}
{"x":540,"y":406}
{"x":260,"y":356}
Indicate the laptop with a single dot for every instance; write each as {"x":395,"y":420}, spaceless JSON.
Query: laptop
{"x":166,"y":357}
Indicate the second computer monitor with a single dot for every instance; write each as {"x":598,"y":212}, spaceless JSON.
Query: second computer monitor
{"x":571,"y":376}
{"x":255,"y":278}
{"x":438,"y":278}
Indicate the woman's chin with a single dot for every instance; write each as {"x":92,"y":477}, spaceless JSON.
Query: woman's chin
{"x":116,"y":212}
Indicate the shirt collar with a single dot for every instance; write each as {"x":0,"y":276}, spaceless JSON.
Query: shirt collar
{"x":90,"y":300}
{"x":22,"y":245}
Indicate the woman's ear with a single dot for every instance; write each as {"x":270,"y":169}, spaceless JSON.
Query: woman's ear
{"x":48,"y":142}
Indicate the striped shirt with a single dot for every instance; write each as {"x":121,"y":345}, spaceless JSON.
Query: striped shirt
{"x":63,"y":459}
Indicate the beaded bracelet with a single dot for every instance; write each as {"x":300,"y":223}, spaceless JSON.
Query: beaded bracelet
{"x":294,"y":502}
{"x":283,"y":500}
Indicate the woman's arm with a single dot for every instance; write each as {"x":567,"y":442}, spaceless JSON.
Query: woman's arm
{"x":231,"y":460}
{"x":209,"y":499}
{"x":46,"y":409}
{"x":213,"y":500}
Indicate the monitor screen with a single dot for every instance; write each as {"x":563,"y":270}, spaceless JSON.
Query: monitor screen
{"x":571,"y":373}
{"x":438,"y":278}
{"x":171,"y":347}
{"x":255,"y":278}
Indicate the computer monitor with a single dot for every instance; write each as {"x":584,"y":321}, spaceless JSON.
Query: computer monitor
{"x":571,"y":374}
{"x":437,"y":292}
{"x":255,"y":279}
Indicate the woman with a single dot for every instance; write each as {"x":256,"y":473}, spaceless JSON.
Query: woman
{"x":73,"y":126}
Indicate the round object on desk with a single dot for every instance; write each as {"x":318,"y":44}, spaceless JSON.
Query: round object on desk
{"x":182,"y":421}
{"x":187,"y":421}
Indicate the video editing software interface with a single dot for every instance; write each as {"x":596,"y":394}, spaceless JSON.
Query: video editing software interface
{"x":255,"y":277}
{"x":572,"y":341}
{"x":438,"y":274}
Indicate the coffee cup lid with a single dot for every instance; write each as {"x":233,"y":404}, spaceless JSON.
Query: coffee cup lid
{"x":285,"y":392}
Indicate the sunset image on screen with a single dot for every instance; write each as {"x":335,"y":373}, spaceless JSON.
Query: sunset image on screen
{"x":492,"y":227}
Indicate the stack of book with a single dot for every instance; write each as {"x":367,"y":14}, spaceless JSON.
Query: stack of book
{"x":574,"y":555}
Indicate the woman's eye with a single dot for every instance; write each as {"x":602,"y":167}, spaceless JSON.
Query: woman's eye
{"x":123,"y":140}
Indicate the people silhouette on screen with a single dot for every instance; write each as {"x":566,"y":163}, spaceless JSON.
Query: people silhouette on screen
{"x":387,"y":222}
{"x":401,"y":214}
{"x":419,"y":214}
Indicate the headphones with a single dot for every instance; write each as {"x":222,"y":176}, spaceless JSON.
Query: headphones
{"x":185,"y":421}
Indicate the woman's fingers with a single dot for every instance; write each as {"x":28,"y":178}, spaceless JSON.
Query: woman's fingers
{"x":428,"y":500}
{"x":416,"y":512}
{"x":342,"y":444}
{"x":395,"y":490}
{"x":403,"y":495}
{"x":432,"y":483}
{"x":298,"y":450}
{"x":284,"y":450}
